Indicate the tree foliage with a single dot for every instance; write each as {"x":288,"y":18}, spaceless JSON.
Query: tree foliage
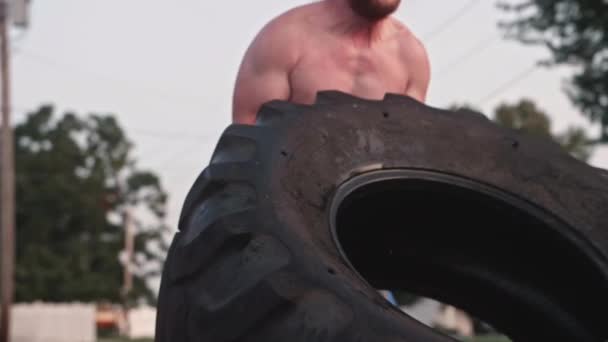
{"x":528,"y":118}
{"x":525,"y":116}
{"x":75,"y":177}
{"x":576,"y":34}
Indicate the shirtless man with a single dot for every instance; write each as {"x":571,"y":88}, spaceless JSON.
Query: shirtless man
{"x":354,"y":46}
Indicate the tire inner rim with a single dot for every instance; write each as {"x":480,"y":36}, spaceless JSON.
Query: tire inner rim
{"x":497,"y":256}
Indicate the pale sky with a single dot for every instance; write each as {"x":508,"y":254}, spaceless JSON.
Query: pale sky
{"x":167,"y":69}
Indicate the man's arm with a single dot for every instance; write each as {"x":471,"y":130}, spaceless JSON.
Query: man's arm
{"x":420,"y":76}
{"x":264,"y":73}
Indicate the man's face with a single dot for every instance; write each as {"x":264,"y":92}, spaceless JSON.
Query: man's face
{"x":374,"y":9}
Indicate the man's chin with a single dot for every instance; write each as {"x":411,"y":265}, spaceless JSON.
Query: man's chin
{"x":374,"y":10}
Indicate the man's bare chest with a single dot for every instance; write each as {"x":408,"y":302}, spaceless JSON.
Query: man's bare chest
{"x":365,"y":72}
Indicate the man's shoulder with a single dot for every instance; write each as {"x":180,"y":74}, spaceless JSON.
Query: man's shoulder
{"x":278,"y":42}
{"x":290,"y":22}
{"x":410,"y":44}
{"x":404,"y":34}
{"x":416,"y":59}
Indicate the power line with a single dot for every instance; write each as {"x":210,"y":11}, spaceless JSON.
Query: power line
{"x":170,"y":135}
{"x":167,"y":135}
{"x":41,"y":59}
{"x":184,"y":153}
{"x":508,"y":85}
{"x":176,"y":135}
{"x":450,"y":21}
{"x":198,"y":139}
{"x":474,"y":51}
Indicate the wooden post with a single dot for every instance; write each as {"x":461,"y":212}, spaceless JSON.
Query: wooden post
{"x":7,"y":183}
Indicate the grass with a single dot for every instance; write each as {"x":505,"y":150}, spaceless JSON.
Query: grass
{"x":489,"y":339}
{"x":123,"y":340}
{"x":477,"y":339}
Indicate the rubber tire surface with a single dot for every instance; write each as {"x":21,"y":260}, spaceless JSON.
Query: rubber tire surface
{"x":254,"y":259}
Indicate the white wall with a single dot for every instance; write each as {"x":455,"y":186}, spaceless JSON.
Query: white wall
{"x":142,"y":322}
{"x":53,"y":323}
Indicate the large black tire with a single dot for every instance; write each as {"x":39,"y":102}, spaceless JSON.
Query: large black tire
{"x":298,"y":219}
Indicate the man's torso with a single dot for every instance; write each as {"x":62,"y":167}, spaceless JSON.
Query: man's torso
{"x":320,"y":47}
{"x":332,"y":60}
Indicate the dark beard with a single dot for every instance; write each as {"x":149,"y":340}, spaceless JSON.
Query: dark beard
{"x":373,"y":9}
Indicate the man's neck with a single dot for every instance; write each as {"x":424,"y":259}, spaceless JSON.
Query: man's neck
{"x":361,"y":30}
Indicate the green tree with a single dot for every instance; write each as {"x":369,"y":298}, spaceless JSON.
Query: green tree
{"x":528,"y":118}
{"x":75,"y":177}
{"x":576,"y":34}
{"x":525,"y":116}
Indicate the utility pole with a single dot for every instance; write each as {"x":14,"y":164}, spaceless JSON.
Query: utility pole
{"x":7,"y":182}
{"x":129,"y":246}
{"x":128,"y":262}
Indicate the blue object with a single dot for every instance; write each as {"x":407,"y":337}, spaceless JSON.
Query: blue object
{"x":391,"y":298}
{"x":388,"y":295}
